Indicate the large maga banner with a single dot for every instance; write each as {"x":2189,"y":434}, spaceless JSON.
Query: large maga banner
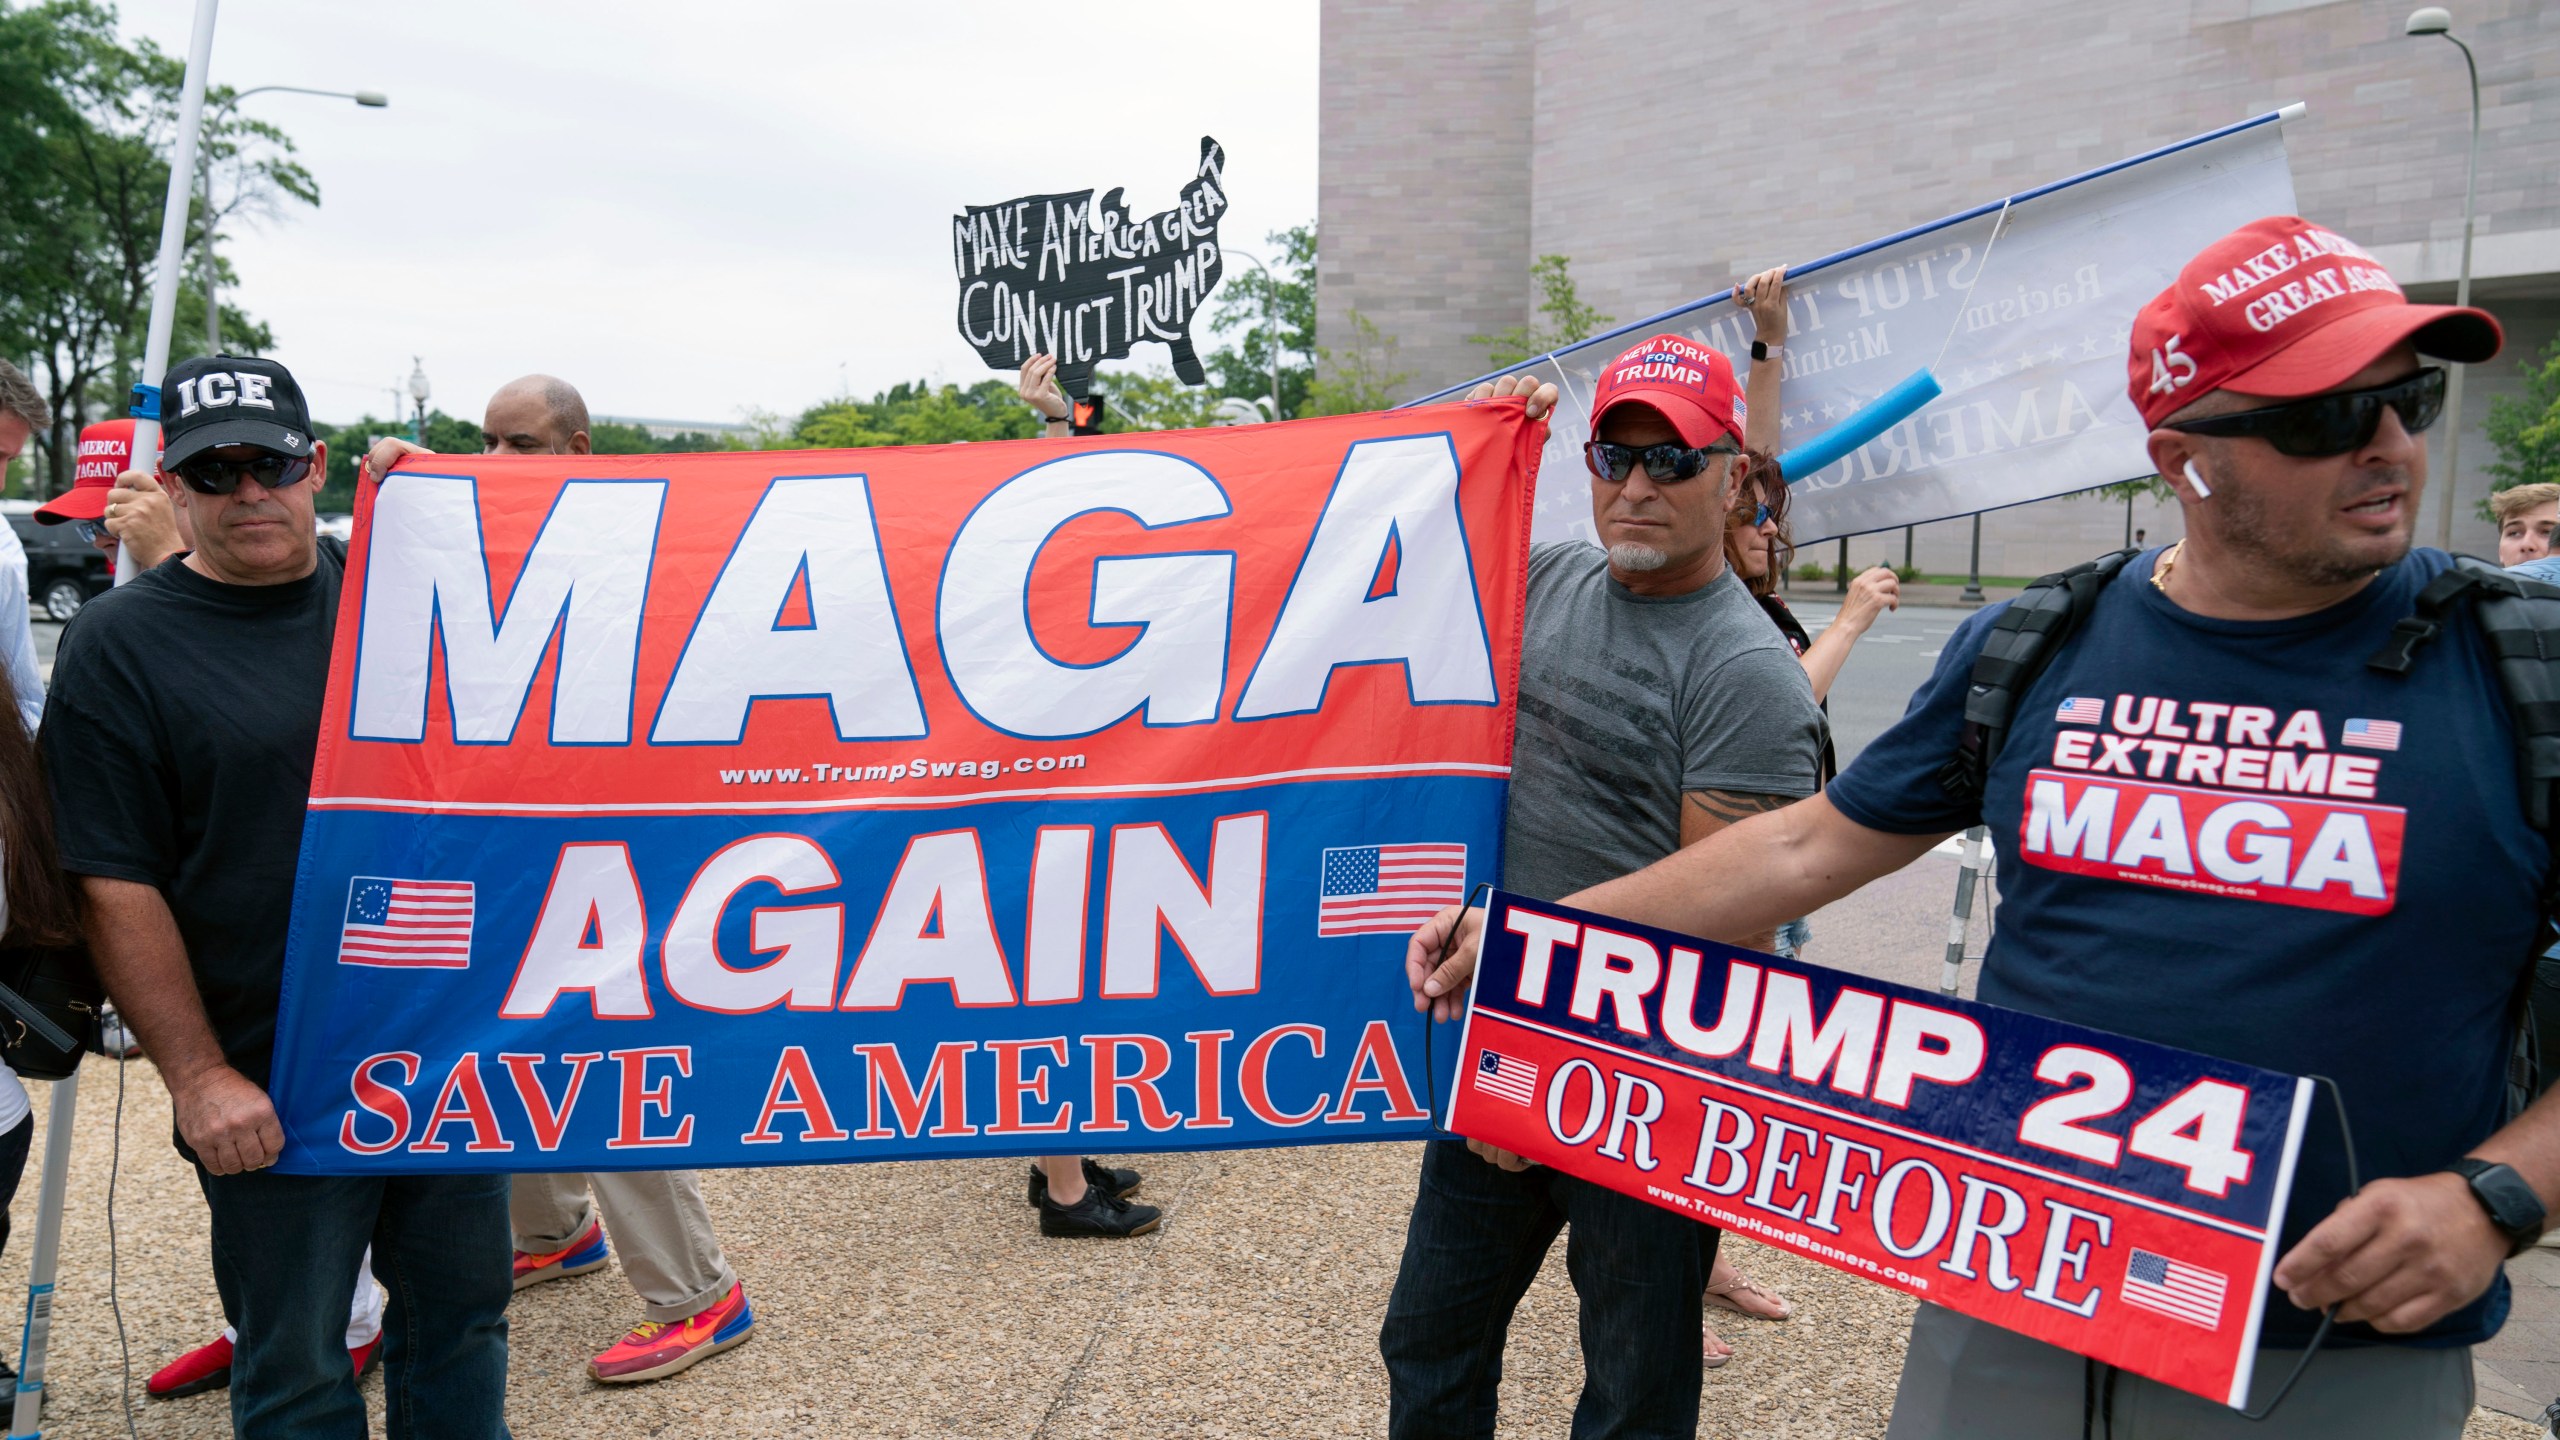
{"x":2114,"y":1197}
{"x":2027,"y":335}
{"x":1000,"y":799}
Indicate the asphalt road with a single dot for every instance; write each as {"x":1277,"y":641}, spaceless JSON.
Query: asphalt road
{"x":1891,"y":661}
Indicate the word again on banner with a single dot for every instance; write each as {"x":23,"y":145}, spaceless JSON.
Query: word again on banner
{"x":1047,"y":274}
{"x":999,"y":799}
{"x":2119,"y":1199}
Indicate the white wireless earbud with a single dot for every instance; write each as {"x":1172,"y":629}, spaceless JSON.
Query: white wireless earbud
{"x":2203,"y":491}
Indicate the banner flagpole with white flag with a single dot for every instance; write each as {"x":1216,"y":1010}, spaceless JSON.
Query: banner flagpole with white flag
{"x":2028,"y":340}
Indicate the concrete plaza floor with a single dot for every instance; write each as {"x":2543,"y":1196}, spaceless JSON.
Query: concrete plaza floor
{"x":920,"y":1300}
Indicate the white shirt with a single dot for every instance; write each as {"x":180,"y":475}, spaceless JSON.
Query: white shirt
{"x":17,"y":633}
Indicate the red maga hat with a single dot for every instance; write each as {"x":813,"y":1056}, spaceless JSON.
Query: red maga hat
{"x":2284,"y":309}
{"x":1690,"y":385}
{"x":106,"y":448}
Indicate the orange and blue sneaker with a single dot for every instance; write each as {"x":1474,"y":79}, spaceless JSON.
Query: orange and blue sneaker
{"x":583,"y":1254}
{"x":657,"y":1349}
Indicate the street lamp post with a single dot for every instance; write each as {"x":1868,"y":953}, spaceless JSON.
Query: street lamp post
{"x":1270,"y":321}
{"x":2436,"y":20}
{"x":370,"y":99}
{"x":418,"y":391}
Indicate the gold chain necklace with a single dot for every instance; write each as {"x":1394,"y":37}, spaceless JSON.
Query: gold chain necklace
{"x":2161,"y":567}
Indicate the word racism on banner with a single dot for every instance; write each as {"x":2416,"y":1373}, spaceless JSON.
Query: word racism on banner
{"x":1045,"y":275}
{"x":2119,"y":1199}
{"x":679,"y":811}
{"x":2034,"y":375}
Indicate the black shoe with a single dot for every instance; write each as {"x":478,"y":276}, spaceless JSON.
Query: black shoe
{"x":1100,"y":1215}
{"x":1120,"y":1183}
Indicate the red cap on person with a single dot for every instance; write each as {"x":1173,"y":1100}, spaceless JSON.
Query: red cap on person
{"x":106,"y":448}
{"x":1690,"y":385}
{"x":2283,"y":308}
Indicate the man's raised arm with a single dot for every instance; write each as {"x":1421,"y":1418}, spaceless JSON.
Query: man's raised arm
{"x":1739,"y":882}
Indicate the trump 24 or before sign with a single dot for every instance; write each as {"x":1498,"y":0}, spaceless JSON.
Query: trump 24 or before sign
{"x":2114,"y":1197}
{"x":1000,"y":799}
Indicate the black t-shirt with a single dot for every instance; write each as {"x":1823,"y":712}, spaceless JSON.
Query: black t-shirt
{"x":178,"y":737}
{"x":1800,"y":642}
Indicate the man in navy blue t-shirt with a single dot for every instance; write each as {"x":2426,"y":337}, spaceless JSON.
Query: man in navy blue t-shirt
{"x":2228,"y":834}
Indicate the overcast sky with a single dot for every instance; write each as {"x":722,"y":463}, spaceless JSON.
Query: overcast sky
{"x":689,"y":210}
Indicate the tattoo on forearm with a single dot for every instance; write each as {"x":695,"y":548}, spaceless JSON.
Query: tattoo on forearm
{"x":1732,"y":808}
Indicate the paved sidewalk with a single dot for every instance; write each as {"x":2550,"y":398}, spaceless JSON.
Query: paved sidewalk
{"x":919,"y":1299}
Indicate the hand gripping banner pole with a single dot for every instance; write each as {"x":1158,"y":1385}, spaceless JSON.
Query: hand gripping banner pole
{"x":173,"y":245}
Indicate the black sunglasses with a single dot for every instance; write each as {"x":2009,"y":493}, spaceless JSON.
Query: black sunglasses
{"x":210,"y":475}
{"x":2326,"y":425}
{"x":91,"y":531}
{"x":1661,"y":462}
{"x":1761,"y":514}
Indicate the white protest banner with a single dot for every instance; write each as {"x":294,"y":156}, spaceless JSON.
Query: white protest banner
{"x":2026,"y":342}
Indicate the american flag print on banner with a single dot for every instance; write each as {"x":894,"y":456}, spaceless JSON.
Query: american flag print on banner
{"x":2372,"y":734}
{"x":2175,"y":1288}
{"x":1387,"y":889}
{"x":2080,"y":710}
{"x":424,"y":924}
{"x":1507,"y":1077}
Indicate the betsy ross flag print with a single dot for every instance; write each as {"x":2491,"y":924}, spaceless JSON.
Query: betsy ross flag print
{"x":2174,"y":1288}
{"x":2080,"y":710}
{"x":2372,"y":734}
{"x":1387,"y":889}
{"x":417,"y":923}
{"x":1507,"y":1077}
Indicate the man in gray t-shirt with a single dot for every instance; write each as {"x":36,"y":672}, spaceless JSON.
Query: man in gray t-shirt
{"x":1630,"y":701}
{"x":1657,"y":705}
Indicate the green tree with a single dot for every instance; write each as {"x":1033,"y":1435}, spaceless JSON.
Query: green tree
{"x":86,"y":126}
{"x":1561,"y":318}
{"x":1360,"y":379}
{"x":1156,"y":399}
{"x":2126,"y":492}
{"x":607,"y":437}
{"x":1285,"y":301}
{"x":917,"y":413}
{"x":2527,"y":430}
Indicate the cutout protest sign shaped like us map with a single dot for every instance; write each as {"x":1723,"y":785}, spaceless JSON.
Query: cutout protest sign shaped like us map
{"x":1046,"y":274}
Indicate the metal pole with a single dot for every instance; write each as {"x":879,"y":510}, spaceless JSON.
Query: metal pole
{"x":33,"y":1338}
{"x":1968,"y":871}
{"x":2461,"y":296}
{"x":1906,"y":547}
{"x":173,"y":237}
{"x":1973,"y":577}
{"x":1840,"y":572}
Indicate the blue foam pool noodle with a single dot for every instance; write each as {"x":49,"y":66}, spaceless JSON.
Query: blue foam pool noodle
{"x":1871,"y":420}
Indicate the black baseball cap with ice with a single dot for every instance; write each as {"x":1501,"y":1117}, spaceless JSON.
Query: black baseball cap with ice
{"x":223,"y":400}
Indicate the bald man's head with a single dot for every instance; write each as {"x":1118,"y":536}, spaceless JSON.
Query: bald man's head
{"x":537,"y":415}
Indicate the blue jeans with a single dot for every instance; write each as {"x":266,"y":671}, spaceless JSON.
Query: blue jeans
{"x":285,"y":1251}
{"x":1476,"y":1239}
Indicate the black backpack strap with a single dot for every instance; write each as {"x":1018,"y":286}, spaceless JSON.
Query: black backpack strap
{"x":2023,"y":641}
{"x":2519,"y":620}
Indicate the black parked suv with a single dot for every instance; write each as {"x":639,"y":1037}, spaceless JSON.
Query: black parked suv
{"x":63,"y":570}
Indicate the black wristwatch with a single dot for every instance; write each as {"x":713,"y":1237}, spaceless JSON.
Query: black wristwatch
{"x":1759,"y":350}
{"x":2511,"y":1203}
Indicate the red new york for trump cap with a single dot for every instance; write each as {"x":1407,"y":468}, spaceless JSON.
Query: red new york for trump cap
{"x":2284,"y":309}
{"x":1691,"y":385}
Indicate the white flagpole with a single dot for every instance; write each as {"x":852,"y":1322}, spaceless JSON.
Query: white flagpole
{"x":173,"y":238}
